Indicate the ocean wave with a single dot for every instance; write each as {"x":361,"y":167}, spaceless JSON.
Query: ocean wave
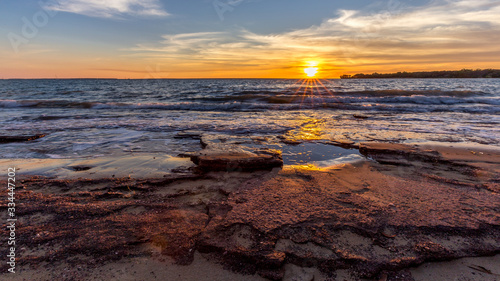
{"x":46,"y":104}
{"x":415,"y":103}
{"x":405,"y":93}
{"x":320,"y":90}
{"x":382,"y":96}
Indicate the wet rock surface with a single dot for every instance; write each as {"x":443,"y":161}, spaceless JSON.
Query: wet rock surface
{"x":227,"y":158}
{"x":221,"y":154}
{"x":189,"y":135}
{"x":8,"y":139}
{"x":370,"y":220}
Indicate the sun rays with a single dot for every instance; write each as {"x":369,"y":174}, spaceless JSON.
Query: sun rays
{"x":314,"y":91}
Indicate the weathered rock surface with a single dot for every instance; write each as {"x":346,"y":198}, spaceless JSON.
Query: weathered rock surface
{"x":345,"y":143}
{"x":222,"y":154}
{"x":7,"y":139}
{"x":356,"y":219}
{"x":235,"y":158}
{"x":359,"y":116}
{"x":398,"y":154}
{"x":189,"y":135}
{"x":369,"y":219}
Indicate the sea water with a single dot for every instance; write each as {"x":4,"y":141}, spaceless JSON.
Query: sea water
{"x":89,"y":118}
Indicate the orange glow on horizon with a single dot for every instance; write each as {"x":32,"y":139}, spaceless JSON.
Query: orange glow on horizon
{"x":70,"y":65}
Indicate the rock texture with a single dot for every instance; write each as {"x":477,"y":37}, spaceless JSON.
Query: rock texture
{"x":217,"y":160}
{"x":7,"y":139}
{"x":368,"y":220}
{"x":230,"y":157}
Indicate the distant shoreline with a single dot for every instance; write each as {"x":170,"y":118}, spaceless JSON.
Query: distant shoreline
{"x":445,"y":74}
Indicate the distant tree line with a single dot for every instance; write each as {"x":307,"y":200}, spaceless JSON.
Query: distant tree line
{"x":464,"y":73}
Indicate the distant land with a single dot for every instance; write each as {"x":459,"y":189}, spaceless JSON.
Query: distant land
{"x":464,"y":73}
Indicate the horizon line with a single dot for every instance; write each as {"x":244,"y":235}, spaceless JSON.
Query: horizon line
{"x":159,"y":78}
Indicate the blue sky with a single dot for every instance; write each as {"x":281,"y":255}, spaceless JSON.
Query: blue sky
{"x":250,"y":38}
{"x":98,"y":23}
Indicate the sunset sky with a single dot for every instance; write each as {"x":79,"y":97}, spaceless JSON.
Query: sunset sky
{"x":244,"y":38}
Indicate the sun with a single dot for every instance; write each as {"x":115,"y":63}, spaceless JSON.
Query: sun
{"x":311,"y":71}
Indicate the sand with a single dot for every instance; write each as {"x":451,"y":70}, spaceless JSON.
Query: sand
{"x":412,"y":212}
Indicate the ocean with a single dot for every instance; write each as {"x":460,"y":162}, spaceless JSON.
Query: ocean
{"x":91,"y":118}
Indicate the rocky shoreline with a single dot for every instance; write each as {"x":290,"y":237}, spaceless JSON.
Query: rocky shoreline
{"x":370,"y":220}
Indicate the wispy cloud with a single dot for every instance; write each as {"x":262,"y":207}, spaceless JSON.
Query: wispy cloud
{"x":109,"y":8}
{"x":442,"y":32}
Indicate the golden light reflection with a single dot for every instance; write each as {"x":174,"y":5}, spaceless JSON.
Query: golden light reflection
{"x":311,"y":92}
{"x":309,"y":129}
{"x":297,"y":168}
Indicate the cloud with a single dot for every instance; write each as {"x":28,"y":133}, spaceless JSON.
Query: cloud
{"x":439,"y":33}
{"x":108,"y":8}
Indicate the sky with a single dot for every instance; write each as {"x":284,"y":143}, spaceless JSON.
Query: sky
{"x":154,"y":39}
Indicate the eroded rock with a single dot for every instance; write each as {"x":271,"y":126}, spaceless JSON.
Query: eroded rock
{"x":189,"y":135}
{"x":368,"y":219}
{"x":235,"y":158}
{"x":7,"y":139}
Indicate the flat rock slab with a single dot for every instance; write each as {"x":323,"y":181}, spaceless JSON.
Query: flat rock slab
{"x":235,"y":158}
{"x":196,"y":135}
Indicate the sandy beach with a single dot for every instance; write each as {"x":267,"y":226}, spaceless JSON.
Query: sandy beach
{"x":406,"y":212}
